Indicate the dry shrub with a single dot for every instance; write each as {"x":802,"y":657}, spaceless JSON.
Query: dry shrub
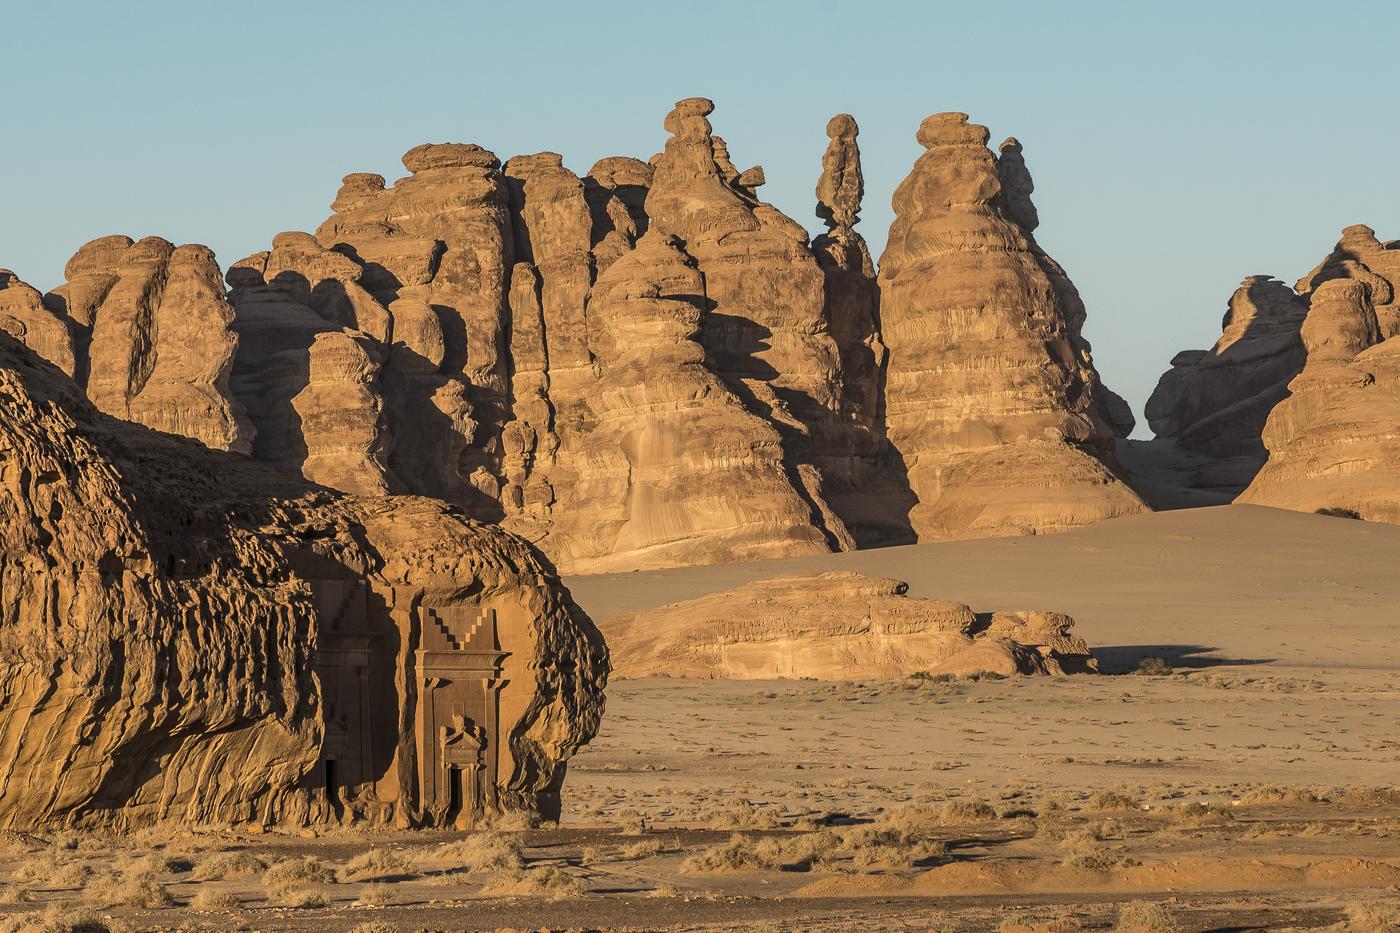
{"x":229,"y":865}
{"x":294,"y":872}
{"x":1146,"y":917}
{"x":52,"y":870}
{"x":663,"y":890}
{"x":1114,"y":800}
{"x":967,"y":811}
{"x":1097,"y":859}
{"x":548,"y":881}
{"x":1197,"y":812}
{"x":56,"y":919}
{"x":515,"y":821}
{"x":130,"y":889}
{"x":375,"y":895}
{"x":376,"y":863}
{"x":301,"y":897}
{"x":214,"y":899}
{"x":1153,"y":667}
{"x":1291,"y":795}
{"x":484,"y":851}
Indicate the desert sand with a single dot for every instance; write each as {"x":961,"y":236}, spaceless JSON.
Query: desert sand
{"x":1252,"y":785}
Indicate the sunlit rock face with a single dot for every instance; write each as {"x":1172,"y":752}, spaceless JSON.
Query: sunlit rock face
{"x":990,"y":394}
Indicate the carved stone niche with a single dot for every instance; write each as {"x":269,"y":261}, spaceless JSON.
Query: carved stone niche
{"x":416,"y":727}
{"x":457,"y":716}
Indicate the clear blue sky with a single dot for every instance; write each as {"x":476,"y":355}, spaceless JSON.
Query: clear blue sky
{"x":1176,"y":147}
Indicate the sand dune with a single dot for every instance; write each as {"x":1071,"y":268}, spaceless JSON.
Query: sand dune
{"x":1232,"y":584}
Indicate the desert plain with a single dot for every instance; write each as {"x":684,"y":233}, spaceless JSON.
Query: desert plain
{"x":1232,"y":767}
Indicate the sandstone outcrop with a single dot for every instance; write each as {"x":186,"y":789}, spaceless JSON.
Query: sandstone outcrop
{"x":1215,"y":402}
{"x":991,"y":395}
{"x":838,"y":626}
{"x":24,"y":317}
{"x":436,"y":249}
{"x":1334,"y":442}
{"x":1274,"y":395}
{"x":673,"y":469}
{"x":456,"y":334}
{"x":151,"y":339}
{"x":1359,"y":255}
{"x":189,"y":636}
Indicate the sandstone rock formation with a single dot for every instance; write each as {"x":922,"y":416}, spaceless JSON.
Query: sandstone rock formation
{"x":673,"y":470}
{"x":1220,"y":414}
{"x":991,"y":394}
{"x":838,"y":626}
{"x":24,"y":317}
{"x":189,"y":636}
{"x":461,"y":334}
{"x":1334,"y":442}
{"x":1359,"y":255}
{"x":1215,"y":401}
{"x":151,"y":338}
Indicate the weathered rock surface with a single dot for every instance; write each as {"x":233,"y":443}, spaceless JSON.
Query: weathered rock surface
{"x":838,"y":626}
{"x":1221,"y":414}
{"x":673,"y":469}
{"x":189,"y":636}
{"x":151,"y":338}
{"x":1359,"y":255}
{"x":308,"y":377}
{"x":437,"y":336}
{"x":990,"y":397}
{"x":1334,"y":442}
{"x":24,"y":317}
{"x":1215,"y":402}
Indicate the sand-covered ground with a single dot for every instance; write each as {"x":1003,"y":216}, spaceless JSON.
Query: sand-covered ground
{"x":1252,"y":787}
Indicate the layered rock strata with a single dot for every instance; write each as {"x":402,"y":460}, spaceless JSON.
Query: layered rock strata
{"x":1223,"y":415}
{"x":990,"y":398}
{"x":839,"y":626}
{"x":150,"y":337}
{"x":438,"y":336}
{"x":1334,"y":442}
{"x":191,"y":637}
{"x":673,"y":469}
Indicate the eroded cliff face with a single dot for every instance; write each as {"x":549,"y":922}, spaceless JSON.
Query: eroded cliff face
{"x":990,"y":398}
{"x":1270,"y":411}
{"x":190,"y":636}
{"x":1215,"y":402}
{"x":673,"y":469}
{"x":1334,"y":442}
{"x":441,"y":336}
{"x":150,"y":337}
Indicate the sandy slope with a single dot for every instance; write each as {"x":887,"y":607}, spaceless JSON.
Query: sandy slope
{"x":1230,"y":583}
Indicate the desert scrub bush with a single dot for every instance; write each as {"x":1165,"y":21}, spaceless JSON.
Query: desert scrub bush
{"x":130,"y":889}
{"x":295,"y":872}
{"x":56,"y":919}
{"x":1337,"y":512}
{"x":214,"y":899}
{"x":376,"y":863}
{"x":1114,"y":800}
{"x":54,"y":870}
{"x":229,"y":865}
{"x":1153,"y":667}
{"x":514,"y":821}
{"x":483,"y":851}
{"x":1097,"y":860}
{"x":1197,"y":812}
{"x":1374,"y":917}
{"x":375,"y":895}
{"x":549,"y":881}
{"x":742,"y":852}
{"x":967,"y":811}
{"x":1145,"y":917}
{"x":302,"y":898}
